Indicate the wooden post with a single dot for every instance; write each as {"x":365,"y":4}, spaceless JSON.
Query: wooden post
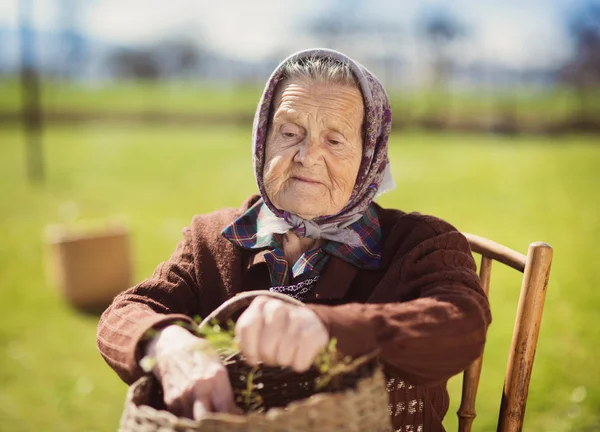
{"x":32,"y":110}
{"x":525,"y":336}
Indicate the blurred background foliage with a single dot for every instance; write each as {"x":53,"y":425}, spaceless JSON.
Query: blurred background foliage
{"x":144,"y":110}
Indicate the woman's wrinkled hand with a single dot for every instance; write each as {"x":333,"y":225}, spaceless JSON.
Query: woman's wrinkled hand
{"x":193,"y":379}
{"x":280,"y":334}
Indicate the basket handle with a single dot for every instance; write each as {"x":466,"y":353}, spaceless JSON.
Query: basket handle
{"x":242,"y":301}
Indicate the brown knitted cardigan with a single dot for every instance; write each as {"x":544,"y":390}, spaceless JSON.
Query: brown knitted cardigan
{"x":424,"y":308}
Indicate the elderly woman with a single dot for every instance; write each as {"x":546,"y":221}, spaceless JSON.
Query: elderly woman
{"x":373,"y":278}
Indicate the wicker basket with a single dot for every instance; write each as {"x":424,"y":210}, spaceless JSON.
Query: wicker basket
{"x":89,"y":266}
{"x":354,"y":401}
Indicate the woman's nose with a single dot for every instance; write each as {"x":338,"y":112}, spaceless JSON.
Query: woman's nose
{"x":309,"y":152}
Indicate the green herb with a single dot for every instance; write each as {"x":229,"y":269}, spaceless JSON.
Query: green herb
{"x":220,"y":338}
{"x":249,"y":397}
{"x":330,"y":363}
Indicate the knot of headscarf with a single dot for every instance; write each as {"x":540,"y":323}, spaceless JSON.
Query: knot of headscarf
{"x":271,"y":224}
{"x":374,"y":175}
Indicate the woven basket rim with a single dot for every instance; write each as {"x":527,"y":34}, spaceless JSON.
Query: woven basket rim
{"x":241,"y":419}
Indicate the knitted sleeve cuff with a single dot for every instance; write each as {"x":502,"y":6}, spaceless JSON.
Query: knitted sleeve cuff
{"x":349,"y":326}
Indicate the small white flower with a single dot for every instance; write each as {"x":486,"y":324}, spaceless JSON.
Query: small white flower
{"x":147,"y":363}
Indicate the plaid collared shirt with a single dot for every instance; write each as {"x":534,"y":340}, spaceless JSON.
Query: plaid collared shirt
{"x":243,"y":233}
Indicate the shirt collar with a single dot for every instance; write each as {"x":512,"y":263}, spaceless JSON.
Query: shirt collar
{"x":243,"y":233}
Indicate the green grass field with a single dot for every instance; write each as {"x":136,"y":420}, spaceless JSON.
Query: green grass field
{"x":516,"y":191}
{"x":541,"y":107}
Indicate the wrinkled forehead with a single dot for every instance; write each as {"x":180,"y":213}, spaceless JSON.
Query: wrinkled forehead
{"x":310,"y":83}
{"x":304,"y":94}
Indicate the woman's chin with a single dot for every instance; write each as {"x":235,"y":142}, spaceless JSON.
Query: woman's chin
{"x":307,"y":204}
{"x":304,"y":213}
{"x":304,"y":206}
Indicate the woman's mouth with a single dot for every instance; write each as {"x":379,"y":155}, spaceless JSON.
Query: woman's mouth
{"x":306,"y":180}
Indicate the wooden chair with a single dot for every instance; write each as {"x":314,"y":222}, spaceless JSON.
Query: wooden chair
{"x":536,"y":270}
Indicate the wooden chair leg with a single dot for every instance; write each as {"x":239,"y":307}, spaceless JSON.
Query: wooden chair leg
{"x":525,"y":336}
{"x":466,"y":412}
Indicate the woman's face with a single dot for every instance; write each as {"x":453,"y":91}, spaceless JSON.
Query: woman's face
{"x":314,"y":147}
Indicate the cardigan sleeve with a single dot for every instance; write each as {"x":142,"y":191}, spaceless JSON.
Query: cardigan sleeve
{"x":166,"y":297}
{"x":203,"y":272}
{"x":441,"y":326}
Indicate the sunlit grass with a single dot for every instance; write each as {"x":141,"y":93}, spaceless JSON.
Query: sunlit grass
{"x":530,"y":106}
{"x":515,"y":191}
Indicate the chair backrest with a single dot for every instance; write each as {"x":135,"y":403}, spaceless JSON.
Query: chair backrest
{"x":536,"y":270}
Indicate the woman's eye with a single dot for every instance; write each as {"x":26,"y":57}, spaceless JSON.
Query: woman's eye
{"x":289,"y":135}
{"x":334,"y":142}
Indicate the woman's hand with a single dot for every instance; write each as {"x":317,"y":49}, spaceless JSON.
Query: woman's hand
{"x":280,"y":334}
{"x":193,"y":379}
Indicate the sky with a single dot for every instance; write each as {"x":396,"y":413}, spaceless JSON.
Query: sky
{"x":523,"y":34}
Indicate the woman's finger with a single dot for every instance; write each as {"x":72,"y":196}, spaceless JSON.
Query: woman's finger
{"x":275,"y":321}
{"x":248,"y":330}
{"x":287,"y":349}
{"x":290,"y":343}
{"x":201,"y":406}
{"x":311,"y":343}
{"x":303,"y":358}
{"x":222,"y":395}
{"x":225,"y":404}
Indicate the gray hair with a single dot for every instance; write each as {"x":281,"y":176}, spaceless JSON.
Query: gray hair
{"x":323,"y":70}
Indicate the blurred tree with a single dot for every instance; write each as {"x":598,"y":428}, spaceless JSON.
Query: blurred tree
{"x":583,"y":70}
{"x":73,"y":43}
{"x":171,"y":58}
{"x":130,"y":63}
{"x":441,"y":29}
{"x":344,"y":26}
{"x":179,"y":57}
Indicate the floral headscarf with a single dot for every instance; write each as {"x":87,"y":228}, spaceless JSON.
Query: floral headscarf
{"x":374,"y":176}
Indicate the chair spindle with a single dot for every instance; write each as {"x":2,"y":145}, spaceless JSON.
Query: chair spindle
{"x":466,"y":412}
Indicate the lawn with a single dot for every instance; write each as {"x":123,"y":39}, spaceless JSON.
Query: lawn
{"x":544,"y":106}
{"x":515,"y":190}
